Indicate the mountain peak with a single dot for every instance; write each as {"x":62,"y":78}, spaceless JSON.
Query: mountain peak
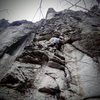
{"x":50,"y":13}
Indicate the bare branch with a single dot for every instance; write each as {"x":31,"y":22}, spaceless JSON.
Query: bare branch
{"x":74,"y":4}
{"x":91,"y":3}
{"x":77,"y":2}
{"x":82,"y":7}
{"x":42,"y":13}
{"x":35,"y":14}
{"x":40,"y":8}
{"x":84,"y":3}
{"x":88,"y":10}
{"x":69,"y":2}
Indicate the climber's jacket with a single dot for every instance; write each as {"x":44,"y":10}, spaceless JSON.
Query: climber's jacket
{"x":55,"y":40}
{"x":55,"y":43}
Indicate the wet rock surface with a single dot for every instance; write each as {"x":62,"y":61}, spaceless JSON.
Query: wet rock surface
{"x":30,"y":72}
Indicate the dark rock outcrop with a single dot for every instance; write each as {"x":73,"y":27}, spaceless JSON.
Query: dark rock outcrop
{"x":3,"y":24}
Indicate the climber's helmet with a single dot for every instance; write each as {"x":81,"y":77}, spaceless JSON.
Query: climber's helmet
{"x":61,"y":37}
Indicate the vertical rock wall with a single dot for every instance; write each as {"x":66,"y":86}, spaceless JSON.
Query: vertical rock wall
{"x":29,"y":72}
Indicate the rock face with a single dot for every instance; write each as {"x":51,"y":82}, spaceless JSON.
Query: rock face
{"x":3,"y":24}
{"x":30,"y":72}
{"x":50,"y":13}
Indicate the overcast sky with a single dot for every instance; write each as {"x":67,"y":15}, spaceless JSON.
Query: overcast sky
{"x":26,"y":9}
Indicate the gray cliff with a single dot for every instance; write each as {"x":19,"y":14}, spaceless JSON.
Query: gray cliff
{"x":28,"y":72}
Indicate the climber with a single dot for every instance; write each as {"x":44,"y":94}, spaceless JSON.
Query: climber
{"x":55,"y":43}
